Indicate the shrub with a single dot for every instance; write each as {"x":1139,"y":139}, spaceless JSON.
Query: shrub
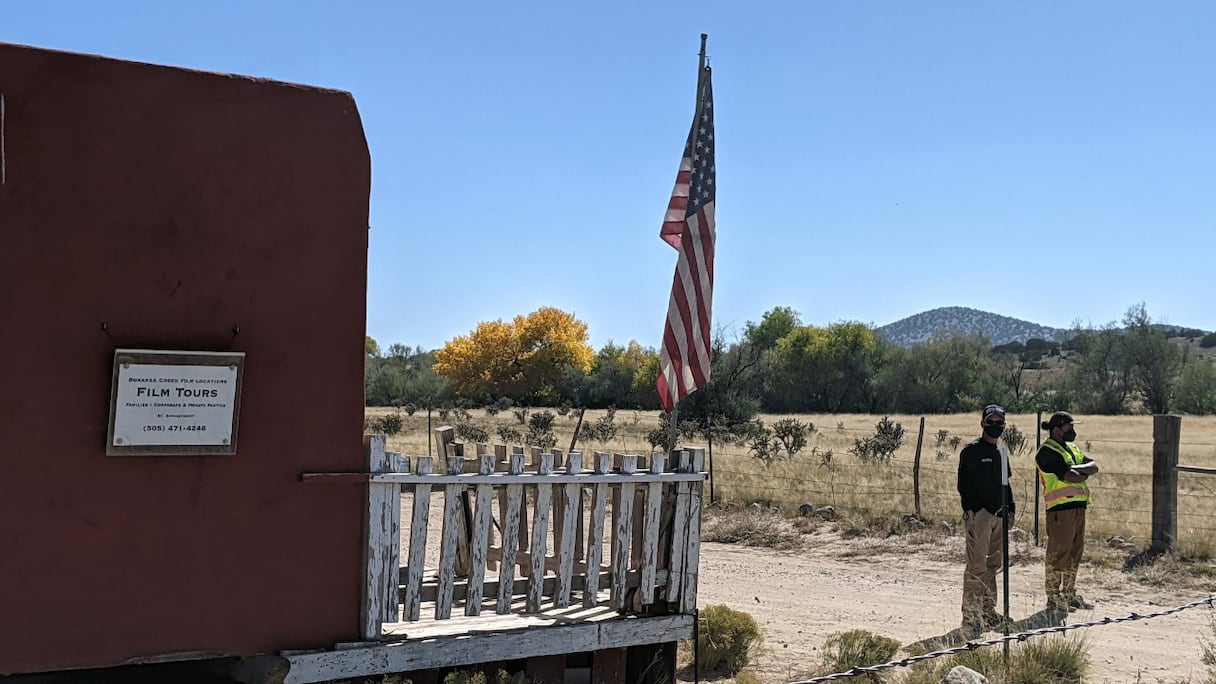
{"x":1208,"y":648}
{"x":727,"y":638}
{"x":471,"y":432}
{"x":659,"y":437}
{"x":541,"y":422}
{"x":941,"y":436}
{"x":540,"y":431}
{"x":955,"y":441}
{"x":792,"y":433}
{"x":1051,"y":660}
{"x":1014,"y":439}
{"x":765,"y":448}
{"x":521,"y":414}
{"x":605,"y":426}
{"x":475,"y":677}
{"x":856,"y":648}
{"x":509,"y":435}
{"x":1208,"y":341}
{"x":389,"y":424}
{"x":760,"y":528}
{"x":410,"y":409}
{"x":887,"y":439}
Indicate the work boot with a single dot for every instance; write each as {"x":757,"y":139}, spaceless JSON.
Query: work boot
{"x":1057,"y":604}
{"x":971,"y":628}
{"x":1078,"y":602}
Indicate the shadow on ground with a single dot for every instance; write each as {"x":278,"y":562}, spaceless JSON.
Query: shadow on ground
{"x":956,"y":637}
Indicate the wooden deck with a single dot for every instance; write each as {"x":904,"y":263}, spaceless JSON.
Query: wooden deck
{"x":467,"y":641}
{"x":509,"y":556}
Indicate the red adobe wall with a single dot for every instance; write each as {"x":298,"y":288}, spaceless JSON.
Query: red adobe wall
{"x":172,"y":205}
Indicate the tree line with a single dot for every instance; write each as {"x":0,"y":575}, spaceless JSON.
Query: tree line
{"x":781,"y":365}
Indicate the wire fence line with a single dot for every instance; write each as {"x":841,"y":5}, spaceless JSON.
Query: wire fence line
{"x":828,"y":471}
{"x":1209,"y":601}
{"x":1122,"y":500}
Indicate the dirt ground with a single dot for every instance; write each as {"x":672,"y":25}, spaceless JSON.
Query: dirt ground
{"x":912,"y":594}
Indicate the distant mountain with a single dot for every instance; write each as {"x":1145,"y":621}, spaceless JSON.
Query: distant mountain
{"x":923,"y":327}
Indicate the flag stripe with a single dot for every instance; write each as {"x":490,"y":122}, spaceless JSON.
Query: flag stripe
{"x":688,"y":226}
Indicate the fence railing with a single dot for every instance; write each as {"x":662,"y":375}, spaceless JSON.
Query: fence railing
{"x":522,"y":533}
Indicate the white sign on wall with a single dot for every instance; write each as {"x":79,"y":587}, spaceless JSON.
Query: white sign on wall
{"x":174,"y":402}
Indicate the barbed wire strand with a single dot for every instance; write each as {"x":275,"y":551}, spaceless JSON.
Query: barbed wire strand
{"x":1021,"y":636}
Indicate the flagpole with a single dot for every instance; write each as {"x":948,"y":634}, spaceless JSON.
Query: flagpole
{"x":675,"y":407}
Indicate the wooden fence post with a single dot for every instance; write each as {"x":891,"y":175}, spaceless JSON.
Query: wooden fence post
{"x":382,"y":530}
{"x":920,"y":438}
{"x":1167,"y":432}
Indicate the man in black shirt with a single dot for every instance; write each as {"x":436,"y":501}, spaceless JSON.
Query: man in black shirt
{"x":1063,"y":471}
{"x":986,"y":498}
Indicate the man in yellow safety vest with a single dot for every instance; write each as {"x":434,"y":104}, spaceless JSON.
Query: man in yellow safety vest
{"x":1063,"y":471}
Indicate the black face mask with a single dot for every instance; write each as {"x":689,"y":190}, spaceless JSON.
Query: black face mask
{"x":1070,"y":435}
{"x":994,"y":431}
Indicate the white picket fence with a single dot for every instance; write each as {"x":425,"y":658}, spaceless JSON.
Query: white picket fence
{"x":552,"y":514}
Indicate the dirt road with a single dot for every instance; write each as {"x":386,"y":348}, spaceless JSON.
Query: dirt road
{"x":913,"y":593}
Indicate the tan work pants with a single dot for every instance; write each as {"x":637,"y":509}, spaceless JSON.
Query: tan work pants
{"x":984,"y":558}
{"x":1065,"y":543}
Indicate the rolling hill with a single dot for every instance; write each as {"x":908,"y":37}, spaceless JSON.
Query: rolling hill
{"x":922,"y":327}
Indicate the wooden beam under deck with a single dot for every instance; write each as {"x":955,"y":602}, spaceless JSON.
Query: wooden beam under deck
{"x":472,"y":640}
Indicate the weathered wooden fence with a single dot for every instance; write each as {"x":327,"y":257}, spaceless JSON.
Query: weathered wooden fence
{"x":553,"y":532}
{"x":1167,"y":439}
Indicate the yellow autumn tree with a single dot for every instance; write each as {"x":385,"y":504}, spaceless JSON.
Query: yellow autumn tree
{"x":523,"y":360}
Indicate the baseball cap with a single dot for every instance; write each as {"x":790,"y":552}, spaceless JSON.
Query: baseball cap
{"x":1058,"y":419}
{"x":992,"y":409}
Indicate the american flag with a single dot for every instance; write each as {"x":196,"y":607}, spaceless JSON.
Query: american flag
{"x":689,"y":228}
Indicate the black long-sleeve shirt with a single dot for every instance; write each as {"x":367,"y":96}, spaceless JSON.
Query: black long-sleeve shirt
{"x":979,"y":478}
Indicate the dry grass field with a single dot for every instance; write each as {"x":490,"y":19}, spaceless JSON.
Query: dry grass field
{"x":825,"y":473}
{"x":804,"y":579}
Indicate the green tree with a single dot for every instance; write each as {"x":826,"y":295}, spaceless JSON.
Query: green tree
{"x":645,"y":382}
{"x":611,"y":381}
{"x":726,"y":406}
{"x":1153,"y":359}
{"x":1100,"y":380}
{"x":823,"y":369}
{"x":1196,"y":390}
{"x":774,"y":325}
{"x":948,"y":374}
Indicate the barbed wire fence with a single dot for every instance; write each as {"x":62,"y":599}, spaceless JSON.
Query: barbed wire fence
{"x":1210,"y":602}
{"x":824,"y":472}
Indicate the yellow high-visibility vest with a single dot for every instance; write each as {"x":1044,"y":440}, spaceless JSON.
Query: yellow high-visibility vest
{"x":1058,"y":491}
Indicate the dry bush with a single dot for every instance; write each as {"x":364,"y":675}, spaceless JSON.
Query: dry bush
{"x":857,"y":648}
{"x":752,"y":527}
{"x":1043,"y":660}
{"x":726,"y":640}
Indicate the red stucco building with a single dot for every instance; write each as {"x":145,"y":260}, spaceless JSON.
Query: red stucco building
{"x":159,"y":208}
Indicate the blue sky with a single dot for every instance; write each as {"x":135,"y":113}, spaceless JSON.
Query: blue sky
{"x":1044,"y":160}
